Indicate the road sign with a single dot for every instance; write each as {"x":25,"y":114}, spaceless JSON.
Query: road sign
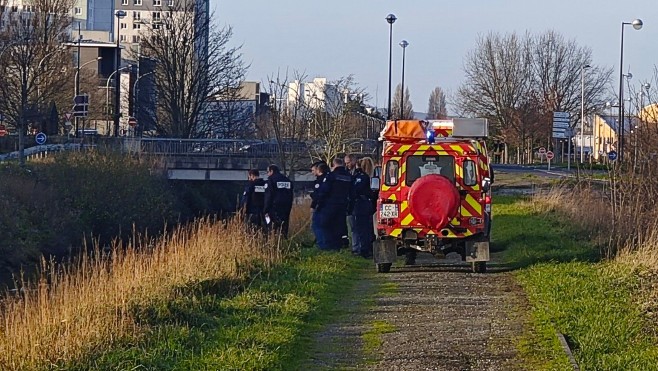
{"x":68,"y":116}
{"x":132,"y":121}
{"x":612,"y":155}
{"x":40,"y":138}
{"x":542,"y":150}
{"x":561,"y":124}
{"x":81,"y":105}
{"x":549,"y":155}
{"x":3,"y":130}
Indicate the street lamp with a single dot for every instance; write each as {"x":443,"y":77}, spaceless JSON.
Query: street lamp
{"x":637,"y":24}
{"x":135,"y":93}
{"x":77,"y":72}
{"x":404,"y":45}
{"x":119,"y":14}
{"x":107,"y":89}
{"x":582,"y":110}
{"x":390,"y":19}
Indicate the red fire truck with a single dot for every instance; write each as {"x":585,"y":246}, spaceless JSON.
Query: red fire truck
{"x":434,"y":192}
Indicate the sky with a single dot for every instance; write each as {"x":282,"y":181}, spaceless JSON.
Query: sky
{"x":338,"y":38}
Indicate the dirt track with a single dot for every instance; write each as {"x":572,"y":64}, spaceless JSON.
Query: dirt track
{"x":441,"y":318}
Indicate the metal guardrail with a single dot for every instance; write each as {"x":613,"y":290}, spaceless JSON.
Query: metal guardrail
{"x":240,"y":147}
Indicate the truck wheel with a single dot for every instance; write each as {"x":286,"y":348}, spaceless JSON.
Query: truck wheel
{"x":384,"y":267}
{"x":479,"y":267}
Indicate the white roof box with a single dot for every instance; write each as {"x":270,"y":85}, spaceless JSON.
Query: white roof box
{"x":464,"y":128}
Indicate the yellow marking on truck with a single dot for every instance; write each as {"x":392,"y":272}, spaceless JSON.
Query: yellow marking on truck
{"x":404,"y":206}
{"x":407,"y":220}
{"x":403,"y":148}
{"x":396,"y":232}
{"x":474,"y":203}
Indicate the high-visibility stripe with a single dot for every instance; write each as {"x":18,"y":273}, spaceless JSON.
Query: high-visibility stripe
{"x":396,"y":232}
{"x":407,"y":220}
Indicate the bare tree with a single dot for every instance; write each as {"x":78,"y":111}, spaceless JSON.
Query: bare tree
{"x":336,"y":118}
{"x":194,"y":61}
{"x":437,"y":105}
{"x":287,"y":121}
{"x":32,"y":63}
{"x":557,"y":65}
{"x":498,"y":79}
{"x":407,"y":111}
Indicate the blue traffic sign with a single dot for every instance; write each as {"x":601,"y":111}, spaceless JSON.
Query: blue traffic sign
{"x":40,"y":138}
{"x":612,"y":155}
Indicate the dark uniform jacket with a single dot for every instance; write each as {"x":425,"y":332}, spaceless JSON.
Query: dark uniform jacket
{"x":315,"y":194}
{"x":361,"y":194}
{"x":253,"y":197}
{"x":278,"y":194}
{"x":335,"y":189}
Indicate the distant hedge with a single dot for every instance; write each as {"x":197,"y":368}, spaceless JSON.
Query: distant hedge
{"x":51,"y":208}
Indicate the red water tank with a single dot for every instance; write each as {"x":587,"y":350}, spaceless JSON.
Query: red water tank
{"x":433,"y":201}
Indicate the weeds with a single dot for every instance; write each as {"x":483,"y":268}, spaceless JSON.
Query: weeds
{"x":100,"y":300}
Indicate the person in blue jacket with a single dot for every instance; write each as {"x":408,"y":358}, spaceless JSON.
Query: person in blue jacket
{"x":253,"y":199}
{"x":320,"y":170}
{"x":361,"y":207}
{"x":278,"y":200}
{"x":333,"y":197}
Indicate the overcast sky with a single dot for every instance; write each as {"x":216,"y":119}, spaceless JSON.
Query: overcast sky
{"x":340,"y":37}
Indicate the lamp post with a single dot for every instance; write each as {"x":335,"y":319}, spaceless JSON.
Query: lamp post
{"x":136,"y":100}
{"x":390,"y":19}
{"x":637,"y":24}
{"x":77,"y":72}
{"x":119,"y":14}
{"x":107,"y":89}
{"x":582,"y":110}
{"x":404,"y":45}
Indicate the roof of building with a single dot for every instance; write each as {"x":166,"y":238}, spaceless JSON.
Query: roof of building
{"x":93,"y":44}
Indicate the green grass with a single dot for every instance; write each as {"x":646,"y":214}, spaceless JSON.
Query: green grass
{"x":268,"y":326}
{"x":527,"y":237}
{"x":372,"y":338}
{"x":569,"y":291}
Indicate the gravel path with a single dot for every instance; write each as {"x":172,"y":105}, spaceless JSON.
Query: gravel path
{"x":443,"y":318}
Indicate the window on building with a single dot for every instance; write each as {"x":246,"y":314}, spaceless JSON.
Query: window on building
{"x":123,"y":38}
{"x":28,"y":8}
{"x":157,"y":2}
{"x":14,"y":9}
{"x":78,"y":10}
{"x":123,"y":26}
{"x":170,"y":2}
{"x":137,"y":15}
{"x":124,"y":2}
{"x":156,"y":16}
{"x":137,"y":26}
{"x":137,"y":2}
{"x":135,"y":38}
{"x":156,"y":26}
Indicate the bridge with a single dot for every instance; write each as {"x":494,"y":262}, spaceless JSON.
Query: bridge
{"x":229,"y":159}
{"x":209,"y":159}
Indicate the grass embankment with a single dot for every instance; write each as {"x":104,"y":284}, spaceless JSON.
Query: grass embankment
{"x":208,"y":296}
{"x":594,"y":304}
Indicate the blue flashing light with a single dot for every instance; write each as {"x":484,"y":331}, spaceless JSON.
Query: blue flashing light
{"x":430,"y":136}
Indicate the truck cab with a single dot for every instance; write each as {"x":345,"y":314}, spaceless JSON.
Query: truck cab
{"x":434,"y":192}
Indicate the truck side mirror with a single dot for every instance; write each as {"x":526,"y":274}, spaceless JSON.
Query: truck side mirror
{"x":486,"y":184}
{"x":374,"y":184}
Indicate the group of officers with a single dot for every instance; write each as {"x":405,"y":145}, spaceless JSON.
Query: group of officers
{"x":341,"y":196}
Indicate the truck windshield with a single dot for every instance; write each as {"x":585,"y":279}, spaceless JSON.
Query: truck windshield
{"x":418,"y":166}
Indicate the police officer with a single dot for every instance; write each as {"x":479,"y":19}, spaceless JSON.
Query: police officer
{"x":253,"y":198}
{"x":350,"y":165}
{"x":320,"y":170}
{"x":278,"y":200}
{"x":361,"y":206}
{"x":333,"y":201}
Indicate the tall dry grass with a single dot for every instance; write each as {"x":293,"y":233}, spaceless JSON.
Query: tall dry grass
{"x":84,"y":307}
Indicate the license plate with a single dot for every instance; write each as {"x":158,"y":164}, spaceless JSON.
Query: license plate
{"x":389,"y":211}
